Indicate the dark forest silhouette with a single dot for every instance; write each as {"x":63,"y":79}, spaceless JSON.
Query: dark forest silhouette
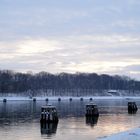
{"x":15,"y":82}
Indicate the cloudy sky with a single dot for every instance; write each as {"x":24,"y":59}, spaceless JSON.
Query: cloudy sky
{"x":101,"y":36}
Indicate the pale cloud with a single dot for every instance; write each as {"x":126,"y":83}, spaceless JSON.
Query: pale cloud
{"x":28,"y":46}
{"x":36,"y":46}
{"x":77,"y":35}
{"x":131,"y":24}
{"x":101,"y":54}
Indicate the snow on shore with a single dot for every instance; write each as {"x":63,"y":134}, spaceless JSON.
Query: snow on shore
{"x":133,"y":134}
{"x":20,"y":98}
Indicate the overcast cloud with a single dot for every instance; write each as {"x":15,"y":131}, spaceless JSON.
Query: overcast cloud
{"x":100,"y":36}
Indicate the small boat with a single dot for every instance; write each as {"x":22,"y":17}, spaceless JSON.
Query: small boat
{"x":49,"y":114}
{"x":92,"y":110}
{"x":113,"y":93}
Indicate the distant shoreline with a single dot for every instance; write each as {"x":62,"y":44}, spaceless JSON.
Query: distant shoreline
{"x":55,"y":98}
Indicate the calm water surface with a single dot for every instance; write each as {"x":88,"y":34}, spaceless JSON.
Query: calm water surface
{"x":19,"y":120}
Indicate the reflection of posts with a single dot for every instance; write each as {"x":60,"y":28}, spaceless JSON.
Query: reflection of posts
{"x":92,"y":121}
{"x":48,"y":128}
{"x":4,"y":110}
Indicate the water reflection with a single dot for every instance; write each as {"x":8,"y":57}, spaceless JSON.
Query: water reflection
{"x":132,"y":111}
{"x":22,"y":118}
{"x":48,"y":129}
{"x":4,"y":110}
{"x":91,"y":120}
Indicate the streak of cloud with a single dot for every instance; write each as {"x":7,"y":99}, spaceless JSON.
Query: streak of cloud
{"x":70,"y":36}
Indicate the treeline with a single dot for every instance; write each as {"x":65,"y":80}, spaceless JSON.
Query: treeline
{"x":15,"y":82}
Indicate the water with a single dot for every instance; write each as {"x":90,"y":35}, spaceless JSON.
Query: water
{"x":19,"y":120}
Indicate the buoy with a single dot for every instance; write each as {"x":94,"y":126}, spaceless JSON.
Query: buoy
{"x":47,"y":99}
{"x":34,"y":99}
{"x":90,"y":99}
{"x":70,"y":99}
{"x":59,"y":99}
{"x":81,"y":99}
{"x":4,"y":100}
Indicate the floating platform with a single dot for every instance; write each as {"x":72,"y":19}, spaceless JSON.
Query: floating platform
{"x":49,"y":114}
{"x":132,"y":107}
{"x":92,"y":110}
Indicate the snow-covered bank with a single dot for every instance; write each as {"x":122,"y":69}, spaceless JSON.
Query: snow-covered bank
{"x":20,"y":98}
{"x":133,"y":134}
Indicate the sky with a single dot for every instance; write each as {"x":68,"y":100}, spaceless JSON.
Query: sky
{"x":101,"y":36}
